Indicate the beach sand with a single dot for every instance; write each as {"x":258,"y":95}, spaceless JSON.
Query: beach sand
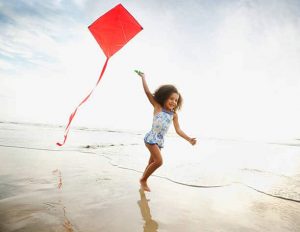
{"x":52,"y":190}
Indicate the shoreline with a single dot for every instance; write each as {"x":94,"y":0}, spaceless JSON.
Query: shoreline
{"x":187,"y":184}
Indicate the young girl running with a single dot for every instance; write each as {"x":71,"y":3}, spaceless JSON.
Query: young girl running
{"x":166,"y":100}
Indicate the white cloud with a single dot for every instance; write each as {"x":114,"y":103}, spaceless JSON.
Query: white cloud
{"x":4,"y":65}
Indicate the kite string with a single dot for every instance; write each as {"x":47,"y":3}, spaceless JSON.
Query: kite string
{"x":83,"y":101}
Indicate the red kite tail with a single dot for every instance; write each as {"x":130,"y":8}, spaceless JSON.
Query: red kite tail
{"x":83,"y":101}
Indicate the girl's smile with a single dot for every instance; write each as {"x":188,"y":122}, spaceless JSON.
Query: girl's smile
{"x":171,"y":102}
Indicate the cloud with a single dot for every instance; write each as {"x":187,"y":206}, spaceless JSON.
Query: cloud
{"x":33,"y":31}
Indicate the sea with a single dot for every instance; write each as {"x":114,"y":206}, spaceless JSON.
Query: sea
{"x":268,"y":167}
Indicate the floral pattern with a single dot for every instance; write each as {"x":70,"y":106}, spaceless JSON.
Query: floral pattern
{"x":160,"y":126}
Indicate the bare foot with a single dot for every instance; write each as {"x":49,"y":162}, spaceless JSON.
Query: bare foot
{"x":144,"y":186}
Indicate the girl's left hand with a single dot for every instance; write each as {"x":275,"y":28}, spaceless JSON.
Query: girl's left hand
{"x":141,"y":74}
{"x":193,"y":141}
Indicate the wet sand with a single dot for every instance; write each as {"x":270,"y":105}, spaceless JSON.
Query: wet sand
{"x":44,"y":190}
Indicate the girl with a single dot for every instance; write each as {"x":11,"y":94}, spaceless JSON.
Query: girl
{"x":166,"y":100}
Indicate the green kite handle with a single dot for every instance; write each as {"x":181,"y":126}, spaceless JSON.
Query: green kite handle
{"x":138,"y":72}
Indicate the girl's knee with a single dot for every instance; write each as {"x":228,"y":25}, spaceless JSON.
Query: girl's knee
{"x":159,"y":162}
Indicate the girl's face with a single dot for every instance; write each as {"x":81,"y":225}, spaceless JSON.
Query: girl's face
{"x":171,"y":102}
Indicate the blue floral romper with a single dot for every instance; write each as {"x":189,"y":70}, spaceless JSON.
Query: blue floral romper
{"x":160,"y":126}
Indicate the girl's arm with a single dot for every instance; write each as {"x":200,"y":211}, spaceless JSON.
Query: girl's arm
{"x":180,"y":132}
{"x":147,"y":91}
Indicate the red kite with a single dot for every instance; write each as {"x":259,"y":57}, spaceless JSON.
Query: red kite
{"x":112,"y":31}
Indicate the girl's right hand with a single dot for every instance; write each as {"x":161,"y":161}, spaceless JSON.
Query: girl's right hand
{"x":193,"y":141}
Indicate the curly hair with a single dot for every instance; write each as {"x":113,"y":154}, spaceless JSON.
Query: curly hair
{"x":164,"y":92}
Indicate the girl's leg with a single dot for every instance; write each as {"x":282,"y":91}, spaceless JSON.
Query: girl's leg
{"x":149,"y":162}
{"x":155,"y":162}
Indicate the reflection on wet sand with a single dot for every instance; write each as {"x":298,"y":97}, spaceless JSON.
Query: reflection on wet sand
{"x":58,"y":173}
{"x":150,"y":225}
{"x":67,"y":224}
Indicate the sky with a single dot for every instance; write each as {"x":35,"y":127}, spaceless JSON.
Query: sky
{"x":236,"y":64}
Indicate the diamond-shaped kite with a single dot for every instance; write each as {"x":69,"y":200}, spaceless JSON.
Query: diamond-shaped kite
{"x":112,"y":31}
